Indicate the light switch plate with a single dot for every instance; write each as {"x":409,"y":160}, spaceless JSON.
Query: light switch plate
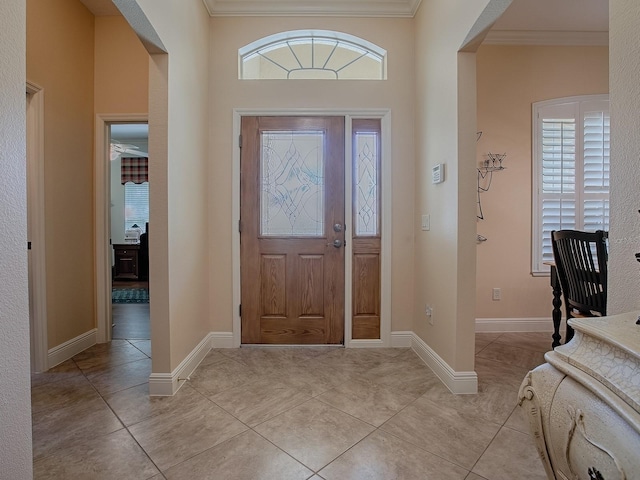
{"x":426,"y":222}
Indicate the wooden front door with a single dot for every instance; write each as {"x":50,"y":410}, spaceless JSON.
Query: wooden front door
{"x":292,"y":230}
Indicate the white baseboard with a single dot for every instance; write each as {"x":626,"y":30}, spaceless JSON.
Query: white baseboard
{"x":222,"y":340}
{"x":503,"y":325}
{"x":167,"y":384}
{"x":457,"y":382}
{"x":401,"y":339}
{"x":373,"y":343}
{"x":68,"y":349}
{"x":163,"y":384}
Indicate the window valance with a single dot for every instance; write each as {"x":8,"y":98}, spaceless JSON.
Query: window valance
{"x":134,"y":169}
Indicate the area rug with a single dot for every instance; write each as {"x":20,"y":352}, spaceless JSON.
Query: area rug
{"x":130,"y":295}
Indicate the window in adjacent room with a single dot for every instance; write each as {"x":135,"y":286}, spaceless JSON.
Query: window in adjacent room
{"x":312,"y":54}
{"x":571,"y":170}
{"x":136,"y":205}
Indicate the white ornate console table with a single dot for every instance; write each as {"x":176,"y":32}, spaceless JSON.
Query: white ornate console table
{"x":583,"y":405}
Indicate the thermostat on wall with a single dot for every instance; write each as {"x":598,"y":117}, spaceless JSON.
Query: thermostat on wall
{"x":437,"y":173}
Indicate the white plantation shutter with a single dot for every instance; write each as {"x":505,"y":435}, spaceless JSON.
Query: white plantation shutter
{"x":571,"y":165}
{"x":596,"y":166}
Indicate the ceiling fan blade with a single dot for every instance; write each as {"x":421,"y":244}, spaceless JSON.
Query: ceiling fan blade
{"x":123,"y":146}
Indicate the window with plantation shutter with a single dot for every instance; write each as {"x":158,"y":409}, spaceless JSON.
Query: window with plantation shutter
{"x":571,"y":170}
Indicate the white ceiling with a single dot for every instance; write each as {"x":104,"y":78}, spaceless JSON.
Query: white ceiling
{"x":101,"y":8}
{"x":531,"y":15}
{"x":556,"y":15}
{"x":124,"y":132}
{"x":376,"y":8}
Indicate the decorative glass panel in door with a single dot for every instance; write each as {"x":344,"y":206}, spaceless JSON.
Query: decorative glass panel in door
{"x":292,"y":179}
{"x":366,"y":182}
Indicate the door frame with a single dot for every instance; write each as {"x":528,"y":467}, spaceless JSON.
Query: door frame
{"x":385,"y":268}
{"x":102,"y":188}
{"x":36,"y":218}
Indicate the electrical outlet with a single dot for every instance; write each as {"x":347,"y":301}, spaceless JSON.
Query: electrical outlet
{"x":429,"y":312}
{"x":497,"y":294}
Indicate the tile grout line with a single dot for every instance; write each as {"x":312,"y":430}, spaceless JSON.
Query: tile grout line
{"x":124,"y":426}
{"x":319,"y":357}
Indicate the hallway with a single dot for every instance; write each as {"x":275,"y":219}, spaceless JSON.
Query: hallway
{"x":286,"y":413}
{"x":130,"y":319}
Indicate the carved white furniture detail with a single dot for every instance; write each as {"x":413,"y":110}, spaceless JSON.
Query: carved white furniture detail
{"x":583,"y":405}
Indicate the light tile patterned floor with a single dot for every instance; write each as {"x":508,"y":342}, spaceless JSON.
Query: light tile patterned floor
{"x":286,"y":413}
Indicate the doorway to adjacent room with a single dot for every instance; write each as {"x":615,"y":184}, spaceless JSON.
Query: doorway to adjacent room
{"x":129,"y":231}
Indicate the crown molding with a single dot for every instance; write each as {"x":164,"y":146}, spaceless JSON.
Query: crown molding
{"x":334,"y":8}
{"x":539,"y":37}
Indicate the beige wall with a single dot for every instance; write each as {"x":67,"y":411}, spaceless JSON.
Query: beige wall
{"x":624,"y":239}
{"x":179,"y":182}
{"x":121,"y":88}
{"x":16,"y":461}
{"x":85,"y":65}
{"x":229,"y":34}
{"x":445,"y":118}
{"x":60,"y":41}
{"x":510,"y":79}
{"x":121,"y":69}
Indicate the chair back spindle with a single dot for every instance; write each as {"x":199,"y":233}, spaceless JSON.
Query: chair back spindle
{"x":581,"y":264}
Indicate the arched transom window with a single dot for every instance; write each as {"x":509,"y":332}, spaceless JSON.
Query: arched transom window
{"x":312,"y":54}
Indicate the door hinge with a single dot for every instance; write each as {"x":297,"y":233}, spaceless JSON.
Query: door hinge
{"x":28,"y":245}
{"x":240,"y":141}
{"x":240,"y":226}
{"x":240,"y":310}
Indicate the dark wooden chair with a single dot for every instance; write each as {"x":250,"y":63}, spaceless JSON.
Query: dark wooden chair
{"x":581,"y":264}
{"x":143,"y":256}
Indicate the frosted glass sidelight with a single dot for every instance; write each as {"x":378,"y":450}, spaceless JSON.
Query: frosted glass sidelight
{"x":366,"y":183}
{"x":292,"y":184}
